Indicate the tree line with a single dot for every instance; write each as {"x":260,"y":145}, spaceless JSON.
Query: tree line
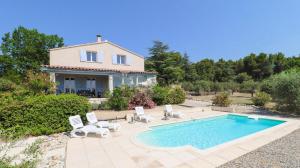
{"x":173,"y":67}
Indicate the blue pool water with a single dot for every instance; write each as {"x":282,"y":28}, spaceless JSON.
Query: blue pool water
{"x":204,"y":133}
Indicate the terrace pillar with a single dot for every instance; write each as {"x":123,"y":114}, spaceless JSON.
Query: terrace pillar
{"x":137,"y":80}
{"x":110,"y":83}
{"x":52,"y":77}
{"x":123,"y":79}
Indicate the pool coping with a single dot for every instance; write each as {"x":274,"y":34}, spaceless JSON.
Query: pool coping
{"x":261,"y":136}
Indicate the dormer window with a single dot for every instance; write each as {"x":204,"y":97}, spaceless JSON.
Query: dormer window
{"x":121,"y":59}
{"x":91,"y":56}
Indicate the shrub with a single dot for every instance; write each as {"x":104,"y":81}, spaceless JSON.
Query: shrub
{"x":176,"y":95}
{"x":95,"y":106}
{"x":118,"y":101}
{"x":7,"y":85}
{"x":159,"y":94}
{"x":141,"y":99}
{"x":222,"y":100}
{"x":104,"y":106}
{"x":40,"y":115}
{"x":261,"y":98}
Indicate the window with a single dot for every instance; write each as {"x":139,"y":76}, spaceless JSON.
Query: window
{"x":91,"y":56}
{"x":121,"y":59}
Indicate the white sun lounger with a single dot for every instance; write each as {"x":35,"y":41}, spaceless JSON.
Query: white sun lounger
{"x":140,"y":114}
{"x":78,"y":127}
{"x":92,"y":119}
{"x":170,"y":112}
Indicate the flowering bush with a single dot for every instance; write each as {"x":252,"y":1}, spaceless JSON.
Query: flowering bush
{"x":141,"y":99}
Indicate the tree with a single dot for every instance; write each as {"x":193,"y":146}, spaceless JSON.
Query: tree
{"x":6,"y":65}
{"x":249,"y":87}
{"x":202,"y":86}
{"x":168,"y":64}
{"x":242,"y":77}
{"x":29,"y":48}
{"x":224,"y":71}
{"x":205,"y":69}
{"x":189,"y":69}
{"x":279,"y":62}
{"x":287,"y":90}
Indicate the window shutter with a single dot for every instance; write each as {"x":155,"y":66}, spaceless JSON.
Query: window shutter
{"x":128,"y":60}
{"x":100,"y":56}
{"x":114,"y":59}
{"x":82,"y":55}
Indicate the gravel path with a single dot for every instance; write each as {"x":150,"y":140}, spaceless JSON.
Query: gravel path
{"x":282,"y":153}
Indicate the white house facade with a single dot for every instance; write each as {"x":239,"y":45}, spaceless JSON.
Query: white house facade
{"x":91,"y":69}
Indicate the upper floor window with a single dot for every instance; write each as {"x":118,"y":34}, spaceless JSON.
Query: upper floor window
{"x":121,"y":59}
{"x":91,"y":56}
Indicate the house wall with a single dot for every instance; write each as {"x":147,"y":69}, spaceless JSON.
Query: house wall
{"x":131,"y":79}
{"x":70,"y":56}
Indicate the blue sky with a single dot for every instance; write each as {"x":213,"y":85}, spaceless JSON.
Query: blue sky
{"x":228,"y":29}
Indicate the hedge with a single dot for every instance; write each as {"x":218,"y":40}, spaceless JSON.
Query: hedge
{"x":41,"y":115}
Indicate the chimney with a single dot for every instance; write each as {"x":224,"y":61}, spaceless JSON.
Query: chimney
{"x":99,"y":38}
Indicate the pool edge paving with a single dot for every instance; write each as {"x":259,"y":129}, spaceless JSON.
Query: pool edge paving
{"x":122,"y":145}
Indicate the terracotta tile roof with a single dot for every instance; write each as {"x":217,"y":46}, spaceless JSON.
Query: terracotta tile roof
{"x":94,"y":69}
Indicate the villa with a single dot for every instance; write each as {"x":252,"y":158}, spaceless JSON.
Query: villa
{"x":90,"y":69}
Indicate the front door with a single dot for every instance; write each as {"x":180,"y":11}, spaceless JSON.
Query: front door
{"x":91,"y":85}
{"x":69,"y":85}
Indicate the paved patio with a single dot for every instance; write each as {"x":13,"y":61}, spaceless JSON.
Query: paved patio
{"x":121,"y":150}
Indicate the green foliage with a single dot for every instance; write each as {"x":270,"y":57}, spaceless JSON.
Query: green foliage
{"x":267,"y":86}
{"x":224,"y":71}
{"x":249,"y":87}
{"x":217,"y":87}
{"x":205,"y":69}
{"x":39,"y":83}
{"x":175,"y":95}
{"x":95,"y":106}
{"x":287,"y":91}
{"x":117,"y":101}
{"x":120,"y":97}
{"x":7,"y":85}
{"x":169,"y":65}
{"x":202,"y":86}
{"x":222,"y":100}
{"x":104,"y":106}
{"x":167,"y":95}
{"x":159,"y":94}
{"x":41,"y":115}
{"x":187,"y":86}
{"x":242,"y":77}
{"x":173,"y":68}
{"x":6,"y":66}
{"x":28,"y":49}
{"x":261,"y":98}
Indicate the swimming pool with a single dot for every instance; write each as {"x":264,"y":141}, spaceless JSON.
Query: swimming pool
{"x":205,"y":133}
